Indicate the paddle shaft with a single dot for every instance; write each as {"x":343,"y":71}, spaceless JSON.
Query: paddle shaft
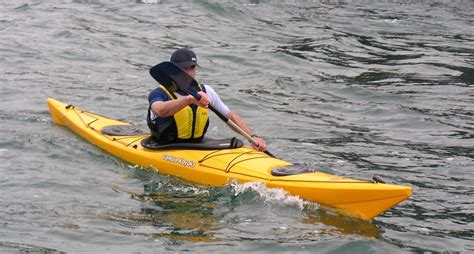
{"x":230,"y":123}
{"x":233,"y":125}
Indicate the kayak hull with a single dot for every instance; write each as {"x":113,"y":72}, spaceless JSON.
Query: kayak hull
{"x":356,"y":198}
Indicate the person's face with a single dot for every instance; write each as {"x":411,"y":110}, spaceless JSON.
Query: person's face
{"x":191,"y":71}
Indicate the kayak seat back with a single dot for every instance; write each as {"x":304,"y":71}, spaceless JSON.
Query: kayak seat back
{"x":124,"y":130}
{"x":207,"y":144}
{"x":294,"y":169}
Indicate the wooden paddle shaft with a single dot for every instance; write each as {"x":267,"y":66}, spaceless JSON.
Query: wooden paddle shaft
{"x":234,"y":126}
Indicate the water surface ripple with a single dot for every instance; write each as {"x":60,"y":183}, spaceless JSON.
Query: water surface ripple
{"x":358,"y":88}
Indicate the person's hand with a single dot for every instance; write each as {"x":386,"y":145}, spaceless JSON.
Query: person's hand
{"x":203,"y":102}
{"x":261,"y":143}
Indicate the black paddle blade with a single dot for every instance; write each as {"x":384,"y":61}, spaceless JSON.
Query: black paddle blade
{"x":172,"y":76}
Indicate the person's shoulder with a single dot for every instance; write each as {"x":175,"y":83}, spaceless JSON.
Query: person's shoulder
{"x":156,"y":94}
{"x":156,"y":91}
{"x":207,"y":88}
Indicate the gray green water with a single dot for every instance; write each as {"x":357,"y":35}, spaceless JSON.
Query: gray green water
{"x":358,"y":88}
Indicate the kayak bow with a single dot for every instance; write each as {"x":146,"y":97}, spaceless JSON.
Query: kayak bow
{"x":219,"y":167}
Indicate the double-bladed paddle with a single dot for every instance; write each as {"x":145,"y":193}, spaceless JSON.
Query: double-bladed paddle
{"x":173,"y":77}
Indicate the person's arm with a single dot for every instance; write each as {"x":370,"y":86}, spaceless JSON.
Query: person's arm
{"x":171,"y":107}
{"x":241,"y":123}
{"x":218,"y":104}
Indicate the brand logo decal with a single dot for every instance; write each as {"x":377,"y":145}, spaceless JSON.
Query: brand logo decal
{"x":180,"y":161}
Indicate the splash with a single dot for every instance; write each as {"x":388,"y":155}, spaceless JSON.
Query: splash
{"x":269,"y":195}
{"x":191,"y":190}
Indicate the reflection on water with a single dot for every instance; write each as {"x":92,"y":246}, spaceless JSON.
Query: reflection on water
{"x":341,"y":224}
{"x":179,"y":211}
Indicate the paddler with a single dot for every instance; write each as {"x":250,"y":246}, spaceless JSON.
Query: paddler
{"x":175,"y":117}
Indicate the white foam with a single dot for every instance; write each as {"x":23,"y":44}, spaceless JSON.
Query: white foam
{"x":272,"y":195}
{"x":192,"y":190}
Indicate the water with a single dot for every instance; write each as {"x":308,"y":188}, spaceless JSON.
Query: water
{"x":360,"y":88}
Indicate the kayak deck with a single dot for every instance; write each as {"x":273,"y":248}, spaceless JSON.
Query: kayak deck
{"x":219,"y":167}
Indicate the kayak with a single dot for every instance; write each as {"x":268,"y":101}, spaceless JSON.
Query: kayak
{"x":221,"y":162}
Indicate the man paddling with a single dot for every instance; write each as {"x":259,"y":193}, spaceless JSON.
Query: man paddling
{"x":175,"y":116}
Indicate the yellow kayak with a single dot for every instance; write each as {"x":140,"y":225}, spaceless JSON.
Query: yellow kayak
{"x":219,"y":163}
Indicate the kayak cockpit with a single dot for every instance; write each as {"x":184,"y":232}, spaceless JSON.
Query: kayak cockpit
{"x":206,"y":144}
{"x":151,"y":144}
